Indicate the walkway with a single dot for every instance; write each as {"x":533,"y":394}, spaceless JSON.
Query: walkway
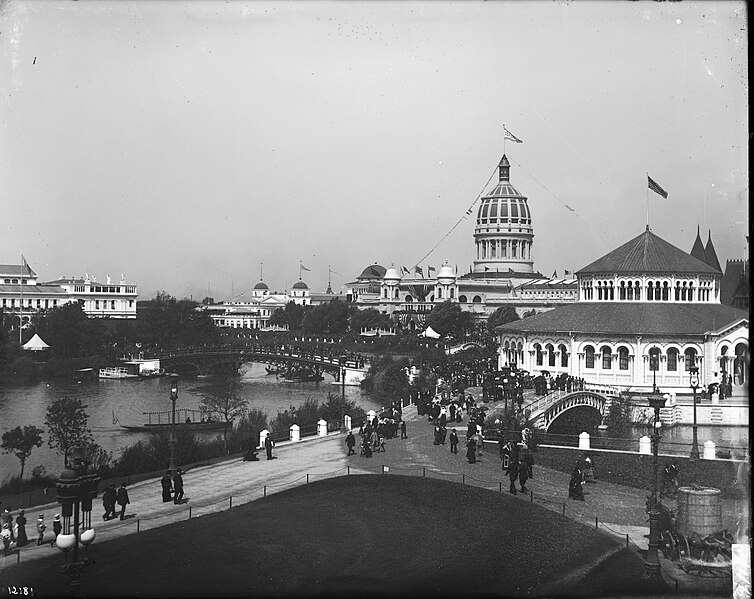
{"x":616,"y":509}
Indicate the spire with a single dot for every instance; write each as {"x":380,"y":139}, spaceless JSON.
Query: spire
{"x":698,"y":250}
{"x":710,"y":256}
{"x":505,"y":169}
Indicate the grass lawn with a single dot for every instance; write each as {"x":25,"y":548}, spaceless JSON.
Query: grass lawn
{"x":352,"y":536}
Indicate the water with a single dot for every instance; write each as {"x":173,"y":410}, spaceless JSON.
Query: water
{"x":127,"y":399}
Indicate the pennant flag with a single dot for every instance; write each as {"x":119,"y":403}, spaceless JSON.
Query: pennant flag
{"x":430,"y":270}
{"x":555,"y":274}
{"x":405,"y":271}
{"x":567,"y":206}
{"x":656,"y":188}
{"x":568,"y":272}
{"x":304,"y":268}
{"x":486,"y":269}
{"x":470,"y":209}
{"x":509,"y":135}
{"x":418,"y":270}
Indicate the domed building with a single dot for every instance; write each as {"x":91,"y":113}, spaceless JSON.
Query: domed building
{"x":502,"y":273}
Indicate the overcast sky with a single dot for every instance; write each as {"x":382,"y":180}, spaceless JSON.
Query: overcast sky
{"x":183,"y":144}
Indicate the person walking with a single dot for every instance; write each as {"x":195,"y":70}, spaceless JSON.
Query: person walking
{"x":178,"y":486}
{"x":41,"y":526}
{"x":167,"y":487}
{"x":109,"y":498}
{"x":57,"y":526}
{"x":574,"y":485}
{"x":453,"y":441}
{"x":351,"y":443}
{"x":123,"y":501}
{"x":403,"y":430}
{"x":268,"y":445}
{"x":471,"y":451}
{"x":5,"y":535}
{"x":21,"y":538}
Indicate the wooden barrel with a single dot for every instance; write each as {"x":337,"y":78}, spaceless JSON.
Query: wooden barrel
{"x":700,"y":510}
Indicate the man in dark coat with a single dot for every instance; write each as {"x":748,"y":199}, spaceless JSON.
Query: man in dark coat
{"x":268,"y":445}
{"x":574,"y":485}
{"x":178,"y":484}
{"x":523,"y":468}
{"x":403,"y":430}
{"x":351,"y":442}
{"x":453,"y":441}
{"x":109,"y":498}
{"x":123,"y":500}
{"x":512,"y":470}
{"x":167,"y":487}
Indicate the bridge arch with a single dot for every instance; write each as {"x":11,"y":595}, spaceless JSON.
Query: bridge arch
{"x":546,"y":413}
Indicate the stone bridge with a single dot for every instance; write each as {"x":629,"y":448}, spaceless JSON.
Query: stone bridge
{"x":543,"y":411}
{"x":208,"y":360}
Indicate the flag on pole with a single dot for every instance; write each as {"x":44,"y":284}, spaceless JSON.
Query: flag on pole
{"x":430,"y":270}
{"x":405,"y":271}
{"x":509,"y":135}
{"x":470,"y":209}
{"x":656,"y":188}
{"x":418,"y":270}
{"x":304,"y":267}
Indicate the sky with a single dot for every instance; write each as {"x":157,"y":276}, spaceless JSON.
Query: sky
{"x":194,"y":146}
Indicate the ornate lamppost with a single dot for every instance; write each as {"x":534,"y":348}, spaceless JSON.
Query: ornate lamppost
{"x":694,"y":384}
{"x":652,"y":562}
{"x":76,"y":488}
{"x":173,"y":398}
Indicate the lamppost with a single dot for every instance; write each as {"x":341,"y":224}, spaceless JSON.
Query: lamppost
{"x":173,"y":398}
{"x":652,"y":563}
{"x":76,"y":488}
{"x":694,"y":384}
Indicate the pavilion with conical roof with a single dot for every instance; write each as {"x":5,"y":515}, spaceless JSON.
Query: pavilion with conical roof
{"x":645,"y":299}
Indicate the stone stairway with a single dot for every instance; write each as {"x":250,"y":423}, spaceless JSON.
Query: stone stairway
{"x":716,"y":415}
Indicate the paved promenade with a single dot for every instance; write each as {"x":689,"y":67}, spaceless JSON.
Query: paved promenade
{"x":616,"y":509}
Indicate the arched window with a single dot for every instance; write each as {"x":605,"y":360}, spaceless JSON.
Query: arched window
{"x":691,"y":292}
{"x":622,"y":358}
{"x":630,"y":291}
{"x":409,"y":299}
{"x":678,"y":291}
{"x":396,"y":294}
{"x":607,"y":358}
{"x":654,"y":359}
{"x":637,"y":291}
{"x":622,"y":290}
{"x":452,"y":293}
{"x":665,"y":291}
{"x":589,"y":356}
{"x":612,"y":291}
{"x":477,"y":300}
{"x":550,"y":354}
{"x":538,"y":352}
{"x":462,"y":299}
{"x":563,"y":356}
{"x":650,"y":291}
{"x":689,"y":356}
{"x":672,"y":359}
{"x":439,"y":292}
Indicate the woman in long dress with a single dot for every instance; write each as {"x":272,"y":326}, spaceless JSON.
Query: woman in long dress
{"x":471,"y":451}
{"x":21,"y":538}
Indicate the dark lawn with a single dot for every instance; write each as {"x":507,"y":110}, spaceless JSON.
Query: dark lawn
{"x":359,"y":536}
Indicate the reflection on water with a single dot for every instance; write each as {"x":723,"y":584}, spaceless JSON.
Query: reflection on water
{"x":127,"y":399}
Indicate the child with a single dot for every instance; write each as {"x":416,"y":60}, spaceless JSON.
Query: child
{"x":56,"y":528}
{"x":41,"y":526}
{"x":5,"y":533}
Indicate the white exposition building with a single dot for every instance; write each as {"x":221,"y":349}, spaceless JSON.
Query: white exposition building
{"x":503,"y":271}
{"x":22,"y":293}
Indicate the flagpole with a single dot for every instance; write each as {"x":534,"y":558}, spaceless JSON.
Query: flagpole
{"x":647,"y":190}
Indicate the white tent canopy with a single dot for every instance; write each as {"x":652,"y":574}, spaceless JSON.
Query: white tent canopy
{"x":35,"y":344}
{"x":431,"y":333}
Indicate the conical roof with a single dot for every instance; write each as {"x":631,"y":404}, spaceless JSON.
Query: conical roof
{"x":647,"y":254}
{"x":35,"y":344}
{"x":698,"y":250}
{"x":710,"y":256}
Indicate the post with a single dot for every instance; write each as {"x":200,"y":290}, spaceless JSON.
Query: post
{"x":173,"y":398}
{"x":584,"y":440}
{"x":709,"y":450}
{"x":652,"y":561}
{"x":694,"y":384}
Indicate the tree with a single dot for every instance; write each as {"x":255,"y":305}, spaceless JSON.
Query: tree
{"x":448,"y":318}
{"x":331,"y":317}
{"x":70,"y":332}
{"x":21,"y":442}
{"x":227,"y":403}
{"x":66,"y":422}
{"x":503,"y":315}
{"x":371,"y":318}
{"x":292,"y":315}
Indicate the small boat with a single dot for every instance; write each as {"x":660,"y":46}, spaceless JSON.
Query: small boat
{"x":192,"y":426}
{"x":305,"y":378}
{"x":117,"y":372}
{"x":84,"y":374}
{"x":150,"y":374}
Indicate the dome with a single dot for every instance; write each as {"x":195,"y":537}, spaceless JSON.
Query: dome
{"x":373,"y":271}
{"x":300,"y":285}
{"x":446,"y":272}
{"x":504,"y":206}
{"x":261,"y":285}
{"x":392,"y":274}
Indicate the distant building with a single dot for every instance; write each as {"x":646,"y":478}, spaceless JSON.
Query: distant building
{"x":23,"y":294}
{"x":503,"y":271}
